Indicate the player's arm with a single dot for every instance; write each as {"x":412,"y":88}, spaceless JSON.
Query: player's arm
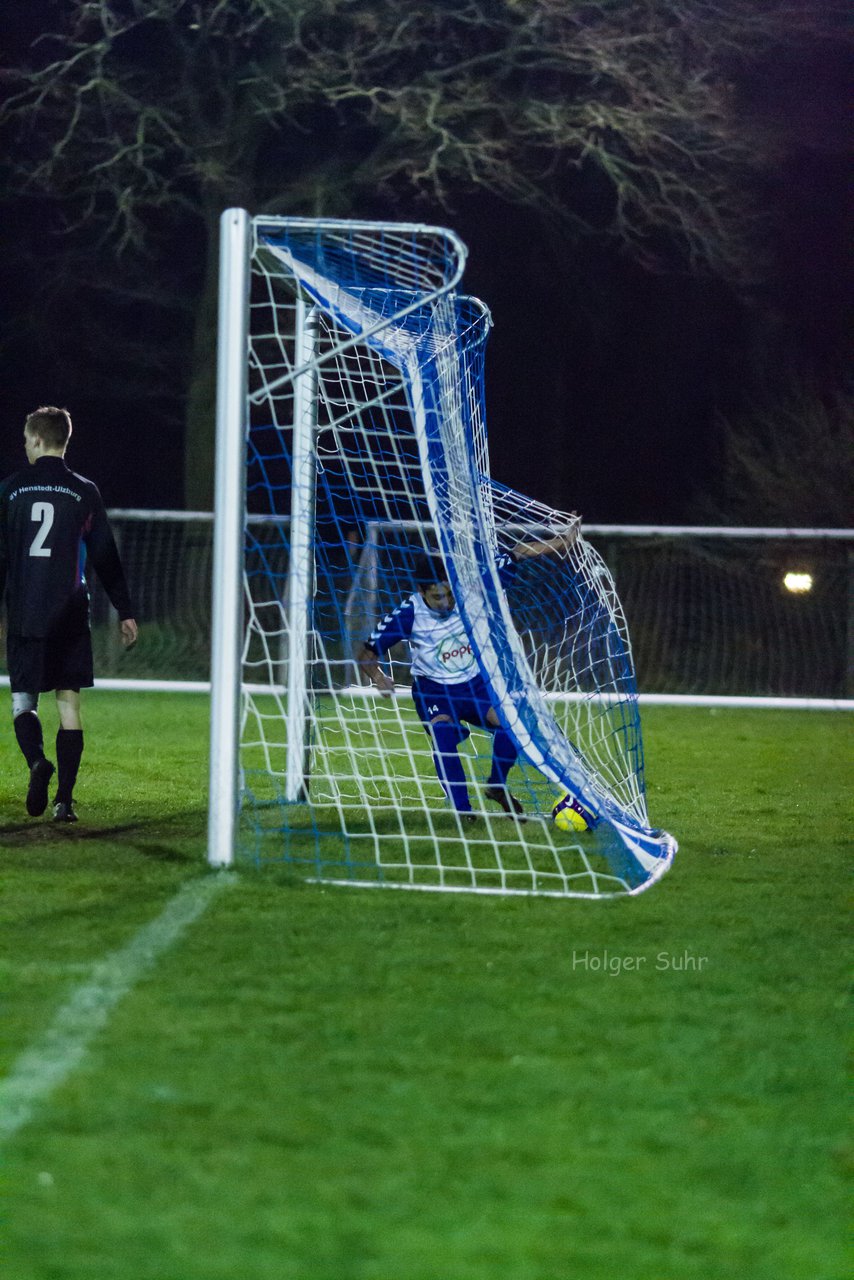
{"x":369,"y":664}
{"x":104,"y":555}
{"x":395,"y":626}
{"x":548,"y":546}
{"x":4,"y":551}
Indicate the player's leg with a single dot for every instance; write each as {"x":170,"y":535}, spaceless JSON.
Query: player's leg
{"x":504,"y":752}
{"x":504,"y":756}
{"x":71,"y":670}
{"x":28,"y":732}
{"x":28,"y":726}
{"x":69,"y":752}
{"x":446,"y":738}
{"x":436,"y":714}
{"x":25,"y":661}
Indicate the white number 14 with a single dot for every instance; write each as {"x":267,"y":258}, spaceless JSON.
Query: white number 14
{"x":42,"y":513}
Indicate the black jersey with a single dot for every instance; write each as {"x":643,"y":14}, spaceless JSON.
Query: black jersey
{"x":52,"y":525}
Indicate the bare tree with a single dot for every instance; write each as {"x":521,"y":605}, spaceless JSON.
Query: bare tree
{"x":788,"y":461}
{"x":142,"y":120}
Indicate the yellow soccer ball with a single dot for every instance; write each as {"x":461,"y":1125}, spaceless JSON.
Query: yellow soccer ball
{"x":569,"y":814}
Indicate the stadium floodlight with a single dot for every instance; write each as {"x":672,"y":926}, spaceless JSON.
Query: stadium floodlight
{"x":351,"y":384}
{"x":798,"y":583}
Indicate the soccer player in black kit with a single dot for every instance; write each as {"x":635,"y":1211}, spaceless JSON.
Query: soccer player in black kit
{"x":52,"y":526}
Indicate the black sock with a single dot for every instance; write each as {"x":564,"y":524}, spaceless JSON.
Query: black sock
{"x":28,"y":731}
{"x":69,"y":749}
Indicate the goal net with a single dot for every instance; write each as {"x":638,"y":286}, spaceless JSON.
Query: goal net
{"x":362,"y":414}
{"x":715,"y":614}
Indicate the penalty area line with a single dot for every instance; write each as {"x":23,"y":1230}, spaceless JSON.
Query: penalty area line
{"x":49,"y":1061}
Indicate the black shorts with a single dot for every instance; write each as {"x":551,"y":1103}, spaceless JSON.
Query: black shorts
{"x":37,"y":665}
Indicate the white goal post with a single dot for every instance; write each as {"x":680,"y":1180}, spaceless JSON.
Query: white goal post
{"x":350,"y":393}
{"x":229,"y":514}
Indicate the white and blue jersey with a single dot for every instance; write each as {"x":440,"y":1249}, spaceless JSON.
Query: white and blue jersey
{"x":441,"y":649}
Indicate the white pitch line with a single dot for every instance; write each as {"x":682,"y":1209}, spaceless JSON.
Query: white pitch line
{"x":45,"y":1065}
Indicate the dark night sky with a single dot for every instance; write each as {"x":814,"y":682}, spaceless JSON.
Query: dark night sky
{"x":603,"y":380}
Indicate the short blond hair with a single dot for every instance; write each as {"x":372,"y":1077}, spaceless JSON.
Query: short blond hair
{"x":50,"y":425}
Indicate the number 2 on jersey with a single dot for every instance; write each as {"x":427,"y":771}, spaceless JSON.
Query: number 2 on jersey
{"x":42,"y":513}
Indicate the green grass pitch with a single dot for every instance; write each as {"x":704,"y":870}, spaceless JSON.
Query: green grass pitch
{"x":323,"y":1084}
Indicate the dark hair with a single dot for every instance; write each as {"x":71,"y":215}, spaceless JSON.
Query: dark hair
{"x":429,"y":569}
{"x":50,"y":425}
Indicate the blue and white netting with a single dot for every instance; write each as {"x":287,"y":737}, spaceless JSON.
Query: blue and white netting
{"x":400,"y":465}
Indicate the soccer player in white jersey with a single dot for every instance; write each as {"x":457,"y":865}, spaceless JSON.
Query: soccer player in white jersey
{"x":447,"y":687}
{"x":53,"y":526}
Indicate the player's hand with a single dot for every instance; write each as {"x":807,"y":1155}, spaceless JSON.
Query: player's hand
{"x":129,"y":632}
{"x":571,"y":537}
{"x":383,"y":684}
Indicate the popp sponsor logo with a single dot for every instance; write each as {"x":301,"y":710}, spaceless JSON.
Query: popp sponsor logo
{"x":455,"y":654}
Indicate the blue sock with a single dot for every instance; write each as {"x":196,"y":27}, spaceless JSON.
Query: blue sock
{"x":449,"y":766}
{"x":504,"y":755}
